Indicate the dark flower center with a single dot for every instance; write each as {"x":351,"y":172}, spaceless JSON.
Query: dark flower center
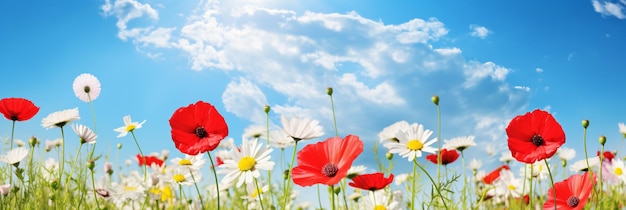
{"x":103,"y":193}
{"x":201,"y":132}
{"x":87,"y":89}
{"x":537,"y":140}
{"x":14,"y":118}
{"x":330,"y":170}
{"x":61,"y":124}
{"x":573,"y":201}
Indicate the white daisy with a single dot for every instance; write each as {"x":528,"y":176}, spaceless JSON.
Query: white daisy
{"x":490,"y":149}
{"x":301,"y":128}
{"x":616,"y":167}
{"x":355,"y":170}
{"x":84,"y":133}
{"x":253,"y":193}
{"x":86,"y":87}
{"x":388,"y":134}
{"x":581,"y":165}
{"x":400,"y":178}
{"x":255,"y":132}
{"x":227,"y":143}
{"x":622,"y":129}
{"x":539,"y":170}
{"x":60,"y":118}
{"x":182,"y":176}
{"x":193,"y":162}
{"x":245,"y":164}
{"x":14,"y":156}
{"x":459,"y":143}
{"x":475,"y":164}
{"x":50,"y":169}
{"x":412,"y":142}
{"x":19,"y":143}
{"x":131,"y":189}
{"x":507,"y":186}
{"x":280,"y":139}
{"x":128,"y":126}
{"x":566,"y":153}
{"x":5,"y":189}
{"x":380,"y":200}
{"x":506,"y":157}
{"x":355,"y":196}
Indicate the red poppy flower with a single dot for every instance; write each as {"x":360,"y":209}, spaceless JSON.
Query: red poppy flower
{"x":534,"y":136}
{"x":572,"y":193}
{"x":495,"y":174}
{"x":371,"y":182}
{"x":149,"y":160}
{"x":326,"y":162}
{"x":197,"y":128}
{"x":18,"y":109}
{"x":608,"y":155}
{"x":447,"y":156}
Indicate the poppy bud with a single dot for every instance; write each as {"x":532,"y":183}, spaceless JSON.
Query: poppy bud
{"x":119,"y":146}
{"x":329,"y":91}
{"x":435,"y":100}
{"x":602,"y":140}
{"x":585,"y":123}
{"x":33,"y":141}
{"x":563,"y":162}
{"x":389,"y":156}
{"x":266,"y":108}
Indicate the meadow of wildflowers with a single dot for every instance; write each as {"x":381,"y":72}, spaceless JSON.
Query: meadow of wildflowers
{"x":247,"y":176}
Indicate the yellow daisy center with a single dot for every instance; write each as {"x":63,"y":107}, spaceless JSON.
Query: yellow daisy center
{"x":511,"y":187}
{"x":184,"y":162}
{"x":256,"y":193}
{"x":415,"y":145}
{"x":179,"y":177}
{"x":166,"y":193}
{"x":618,"y":171}
{"x":380,"y":207}
{"x":130,"y":128}
{"x":130,"y":189}
{"x":246,"y":163}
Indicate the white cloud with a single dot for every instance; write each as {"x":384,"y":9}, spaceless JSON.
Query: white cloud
{"x":448,"y":51}
{"x":245,"y":100}
{"x":539,"y":70}
{"x":475,"y":72}
{"x":479,"y":31}
{"x":382,"y":94}
{"x":608,"y":8}
{"x":524,"y":88}
{"x":125,"y":11}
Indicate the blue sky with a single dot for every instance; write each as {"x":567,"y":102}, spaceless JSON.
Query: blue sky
{"x":488,"y":61}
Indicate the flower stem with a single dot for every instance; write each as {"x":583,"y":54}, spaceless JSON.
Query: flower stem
{"x":319,"y":197}
{"x":217,"y":186}
{"x":74,"y":163}
{"x":600,"y":171}
{"x":269,"y":172}
{"x":197,"y":189}
{"x":93,"y":185}
{"x":258,"y":192}
{"x":11,"y":148}
{"x":551,"y":181}
{"x":332,"y":106}
{"x":438,"y":143}
{"x":287,"y":190}
{"x":530,"y":187}
{"x":95,"y":129}
{"x":433,"y":181}
{"x":62,"y":163}
{"x":464,"y":195}
{"x":413,"y":178}
{"x":332,"y":197}
{"x":145,"y":165}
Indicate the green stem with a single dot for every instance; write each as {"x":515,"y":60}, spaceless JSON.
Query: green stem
{"x":600,"y":179}
{"x":343,"y":193}
{"x":438,"y":143}
{"x":287,"y":189}
{"x":93,"y":185}
{"x":464,"y":195}
{"x":433,"y":181}
{"x":258,"y":192}
{"x":530,"y":187}
{"x":413,"y":178}
{"x":95,"y":129}
{"x":332,"y":105}
{"x":319,"y":197}
{"x":62,"y":163}
{"x":74,"y":163}
{"x":551,"y":181}
{"x":197,"y":189}
{"x":180,"y":189}
{"x":269,"y":172}
{"x":217,"y":186}
{"x":145,"y":165}
{"x":524,"y":182}
{"x":11,"y":148}
{"x":332,"y":197}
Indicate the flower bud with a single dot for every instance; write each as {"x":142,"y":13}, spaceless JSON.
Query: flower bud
{"x":563,"y":163}
{"x":585,"y":123}
{"x":108,"y":168}
{"x":119,"y":146}
{"x":602,"y":140}
{"x":435,"y":100}
{"x":389,"y":156}
{"x":33,"y":141}
{"x":91,"y":164}
{"x":329,"y":91}
{"x":266,"y":109}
